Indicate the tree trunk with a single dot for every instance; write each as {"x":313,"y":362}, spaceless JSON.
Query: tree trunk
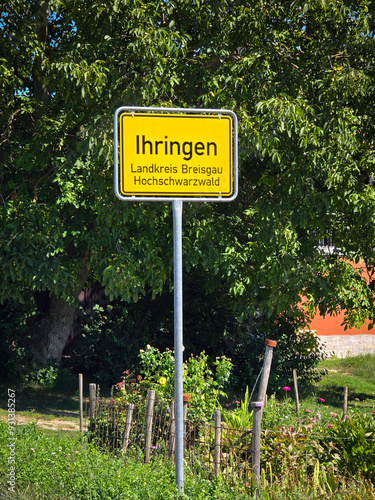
{"x":51,"y":332}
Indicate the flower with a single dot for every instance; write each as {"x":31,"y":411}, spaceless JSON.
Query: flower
{"x":373,"y":411}
{"x":321,"y":400}
{"x":308,"y":411}
{"x":329,"y":425}
{"x":286,"y":388}
{"x":162,"y":381}
{"x":333,"y":414}
{"x":237,"y":402}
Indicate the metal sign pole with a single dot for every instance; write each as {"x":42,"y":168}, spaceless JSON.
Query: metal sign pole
{"x":178,"y":339}
{"x":155,"y":152}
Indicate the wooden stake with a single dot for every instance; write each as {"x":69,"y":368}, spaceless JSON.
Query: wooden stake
{"x":270,"y":344}
{"x":258,"y":409}
{"x":184,"y":416}
{"x":296,"y":390}
{"x":128,"y":423}
{"x":80,"y":385}
{"x":92,"y":396}
{"x":217,"y":415}
{"x":149,"y":415}
{"x":345,"y":405}
{"x":172,"y":434}
{"x":255,"y":442}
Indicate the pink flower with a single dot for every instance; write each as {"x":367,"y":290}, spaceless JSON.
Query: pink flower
{"x":286,"y":388}
{"x":308,"y":411}
{"x":329,"y":425}
{"x":237,"y":402}
{"x":373,"y":411}
{"x":333,"y":414}
{"x":322,"y":400}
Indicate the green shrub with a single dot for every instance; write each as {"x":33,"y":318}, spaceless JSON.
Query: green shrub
{"x":242,"y":416}
{"x":109,"y":337}
{"x":296,"y":349}
{"x":16,"y":357}
{"x":279,"y":413}
{"x":287,"y":450}
{"x":349,"y":444}
{"x":203,"y":381}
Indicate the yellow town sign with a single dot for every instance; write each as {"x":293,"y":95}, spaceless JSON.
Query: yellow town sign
{"x":167,"y":154}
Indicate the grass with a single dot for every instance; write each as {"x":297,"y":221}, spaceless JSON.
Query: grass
{"x":56,"y":467}
{"x":356,"y":373}
{"x":62,"y":467}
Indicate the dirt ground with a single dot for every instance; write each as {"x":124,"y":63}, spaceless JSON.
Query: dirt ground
{"x":52,"y":424}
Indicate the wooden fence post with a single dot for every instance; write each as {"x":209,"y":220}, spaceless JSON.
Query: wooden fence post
{"x":270,"y":344}
{"x":345,"y":405}
{"x":217,"y":453}
{"x":128,"y":423}
{"x":149,"y":415}
{"x":92,"y":395}
{"x":255,"y":442}
{"x":186,"y":399}
{"x":80,"y":385}
{"x":258,"y":409}
{"x":172,"y":434}
{"x":296,"y":390}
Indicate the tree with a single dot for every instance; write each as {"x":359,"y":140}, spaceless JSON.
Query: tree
{"x":60,"y":221}
{"x":300,"y":77}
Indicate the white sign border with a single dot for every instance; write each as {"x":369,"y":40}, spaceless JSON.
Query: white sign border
{"x":167,"y":111}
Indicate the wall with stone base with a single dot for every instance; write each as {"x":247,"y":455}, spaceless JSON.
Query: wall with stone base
{"x":343,"y":346}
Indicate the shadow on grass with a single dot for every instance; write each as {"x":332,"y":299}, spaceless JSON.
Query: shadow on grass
{"x":334,"y":396}
{"x":42,"y":401}
{"x":60,"y":401}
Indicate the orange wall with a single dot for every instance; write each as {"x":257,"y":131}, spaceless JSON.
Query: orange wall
{"x":332,"y":325}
